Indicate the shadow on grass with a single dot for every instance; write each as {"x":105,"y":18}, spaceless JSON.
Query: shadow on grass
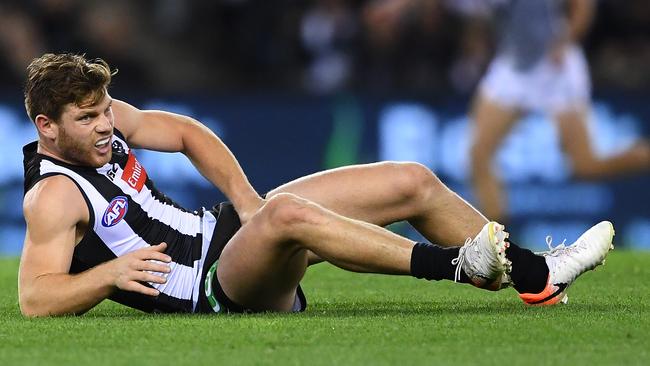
{"x":343,"y":309}
{"x":377,"y":309}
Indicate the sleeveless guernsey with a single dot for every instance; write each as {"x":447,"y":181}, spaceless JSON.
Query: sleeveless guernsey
{"x":127,"y":213}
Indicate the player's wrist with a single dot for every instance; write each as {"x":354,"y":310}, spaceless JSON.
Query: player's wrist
{"x":246,"y":200}
{"x":107,"y":276}
{"x":249,"y":208}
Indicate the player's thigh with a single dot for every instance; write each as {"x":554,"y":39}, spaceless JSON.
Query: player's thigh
{"x":378,"y":193}
{"x":258,"y":269}
{"x":492,"y":122}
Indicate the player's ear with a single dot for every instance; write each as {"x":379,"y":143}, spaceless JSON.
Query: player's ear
{"x":46,"y":126}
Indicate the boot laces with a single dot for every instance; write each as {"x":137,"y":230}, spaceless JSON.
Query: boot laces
{"x":460,"y":260}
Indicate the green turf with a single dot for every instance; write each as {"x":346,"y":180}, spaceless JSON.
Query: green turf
{"x":358,"y":319}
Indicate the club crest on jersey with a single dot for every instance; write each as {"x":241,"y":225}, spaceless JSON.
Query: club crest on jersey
{"x":134,"y":174}
{"x":115,"y":211}
{"x":118,"y":149}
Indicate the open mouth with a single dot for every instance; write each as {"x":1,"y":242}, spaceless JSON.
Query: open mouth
{"x":103,"y":145}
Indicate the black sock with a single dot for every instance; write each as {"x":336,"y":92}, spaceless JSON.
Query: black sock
{"x":434,"y":263}
{"x":529,"y":270}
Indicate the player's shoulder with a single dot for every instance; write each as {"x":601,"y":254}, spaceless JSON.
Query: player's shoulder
{"x":126,"y":116}
{"x":55,"y":196}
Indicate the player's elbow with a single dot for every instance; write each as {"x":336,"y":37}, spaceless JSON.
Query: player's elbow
{"x":30,"y":308}
{"x":192,"y":133}
{"x":31,"y":313}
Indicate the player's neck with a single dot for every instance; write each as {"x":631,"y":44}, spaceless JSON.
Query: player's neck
{"x":46,"y":150}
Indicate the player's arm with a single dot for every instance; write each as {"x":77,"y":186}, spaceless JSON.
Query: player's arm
{"x":163,"y":131}
{"x":580,"y":16}
{"x":54,"y":209}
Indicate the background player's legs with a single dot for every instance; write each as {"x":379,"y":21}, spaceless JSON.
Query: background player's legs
{"x":261,"y":266}
{"x":575,"y":142}
{"x":383,"y":193}
{"x":491,"y":125}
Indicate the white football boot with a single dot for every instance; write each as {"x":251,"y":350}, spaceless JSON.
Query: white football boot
{"x":484,"y":258}
{"x":566,"y":263}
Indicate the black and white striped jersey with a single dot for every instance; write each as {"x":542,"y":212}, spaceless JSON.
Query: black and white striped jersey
{"x":127,"y":213}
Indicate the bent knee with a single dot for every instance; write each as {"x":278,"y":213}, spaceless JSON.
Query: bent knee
{"x":412,"y":181}
{"x":586,"y":169}
{"x":284,"y":211}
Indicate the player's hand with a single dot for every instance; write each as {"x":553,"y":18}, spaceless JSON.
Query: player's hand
{"x":143,"y":265}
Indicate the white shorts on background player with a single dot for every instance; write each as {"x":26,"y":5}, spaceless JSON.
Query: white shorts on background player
{"x":545,"y":87}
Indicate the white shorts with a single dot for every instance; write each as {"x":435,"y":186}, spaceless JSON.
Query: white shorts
{"x":545,"y":87}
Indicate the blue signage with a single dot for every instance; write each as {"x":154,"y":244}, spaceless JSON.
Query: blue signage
{"x":277,"y":139}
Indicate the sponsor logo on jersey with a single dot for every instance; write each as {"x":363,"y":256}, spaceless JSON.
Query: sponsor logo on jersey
{"x":115,"y":211}
{"x":134,"y":174}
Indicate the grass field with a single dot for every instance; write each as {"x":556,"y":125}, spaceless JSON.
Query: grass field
{"x":358,"y":319}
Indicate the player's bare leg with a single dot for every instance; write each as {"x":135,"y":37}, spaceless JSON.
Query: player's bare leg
{"x":261,"y":266}
{"x":383,"y":193}
{"x":491,"y":125}
{"x":586,"y":165}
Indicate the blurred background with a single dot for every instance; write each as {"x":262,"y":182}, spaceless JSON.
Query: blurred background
{"x":294,"y":87}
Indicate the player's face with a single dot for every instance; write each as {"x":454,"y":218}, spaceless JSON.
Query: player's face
{"x":84,"y":134}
